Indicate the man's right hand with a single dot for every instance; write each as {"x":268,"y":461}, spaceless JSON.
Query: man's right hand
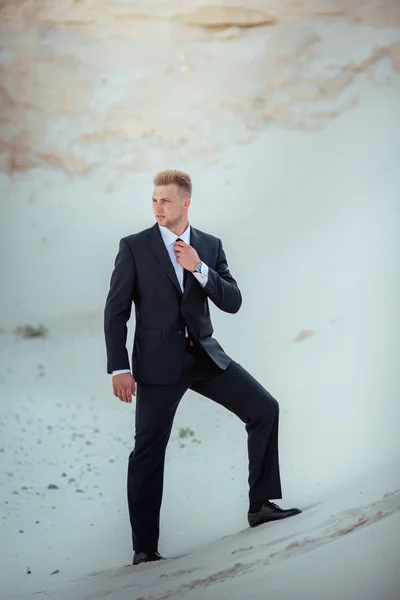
{"x":124,"y":386}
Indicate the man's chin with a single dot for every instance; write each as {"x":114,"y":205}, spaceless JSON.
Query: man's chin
{"x":163,"y":221}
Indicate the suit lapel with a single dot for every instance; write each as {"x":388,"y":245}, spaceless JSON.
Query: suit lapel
{"x":157,"y":247}
{"x":197,"y":243}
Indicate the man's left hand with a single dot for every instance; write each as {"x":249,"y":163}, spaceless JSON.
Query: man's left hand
{"x":186,"y":256}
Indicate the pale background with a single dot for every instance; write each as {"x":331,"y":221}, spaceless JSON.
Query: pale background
{"x":291,"y":132}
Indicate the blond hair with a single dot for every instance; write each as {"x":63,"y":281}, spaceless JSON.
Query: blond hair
{"x":172,"y":176}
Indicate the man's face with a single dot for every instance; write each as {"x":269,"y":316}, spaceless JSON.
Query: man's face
{"x":170,"y":205}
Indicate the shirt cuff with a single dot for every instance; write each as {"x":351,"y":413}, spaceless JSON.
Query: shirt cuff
{"x":202,"y":277}
{"x":120,"y":371}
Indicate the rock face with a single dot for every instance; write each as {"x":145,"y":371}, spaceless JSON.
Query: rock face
{"x":223,"y":17}
{"x":92,"y":85}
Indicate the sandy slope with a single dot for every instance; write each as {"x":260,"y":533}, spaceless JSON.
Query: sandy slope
{"x":328,"y":551}
{"x":295,"y":164}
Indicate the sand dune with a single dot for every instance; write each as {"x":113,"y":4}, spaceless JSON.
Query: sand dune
{"x":286,"y":114}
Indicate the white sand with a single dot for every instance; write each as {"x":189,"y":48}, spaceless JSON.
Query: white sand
{"x":302,"y":186}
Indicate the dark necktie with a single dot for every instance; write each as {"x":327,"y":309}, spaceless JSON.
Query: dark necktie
{"x":184,"y":270}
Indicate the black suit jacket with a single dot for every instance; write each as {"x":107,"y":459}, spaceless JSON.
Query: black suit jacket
{"x":143,"y":274}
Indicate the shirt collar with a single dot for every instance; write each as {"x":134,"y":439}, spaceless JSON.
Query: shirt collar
{"x":169,"y":237}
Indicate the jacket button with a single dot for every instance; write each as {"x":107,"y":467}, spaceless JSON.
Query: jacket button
{"x":179,"y":331}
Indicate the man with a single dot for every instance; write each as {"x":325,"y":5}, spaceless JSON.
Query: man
{"x":169,"y":272}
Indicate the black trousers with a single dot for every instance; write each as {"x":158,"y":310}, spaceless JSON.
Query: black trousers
{"x":156,"y":405}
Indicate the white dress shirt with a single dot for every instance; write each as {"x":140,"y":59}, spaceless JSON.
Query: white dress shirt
{"x":169,"y":239}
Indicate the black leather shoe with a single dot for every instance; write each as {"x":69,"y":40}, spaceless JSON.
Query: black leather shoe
{"x":270,"y":512}
{"x":144,"y":557}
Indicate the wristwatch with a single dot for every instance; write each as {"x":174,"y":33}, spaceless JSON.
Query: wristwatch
{"x":198,"y":267}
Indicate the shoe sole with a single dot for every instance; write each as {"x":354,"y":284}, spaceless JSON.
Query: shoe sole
{"x":143,"y":561}
{"x":255,"y":522}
